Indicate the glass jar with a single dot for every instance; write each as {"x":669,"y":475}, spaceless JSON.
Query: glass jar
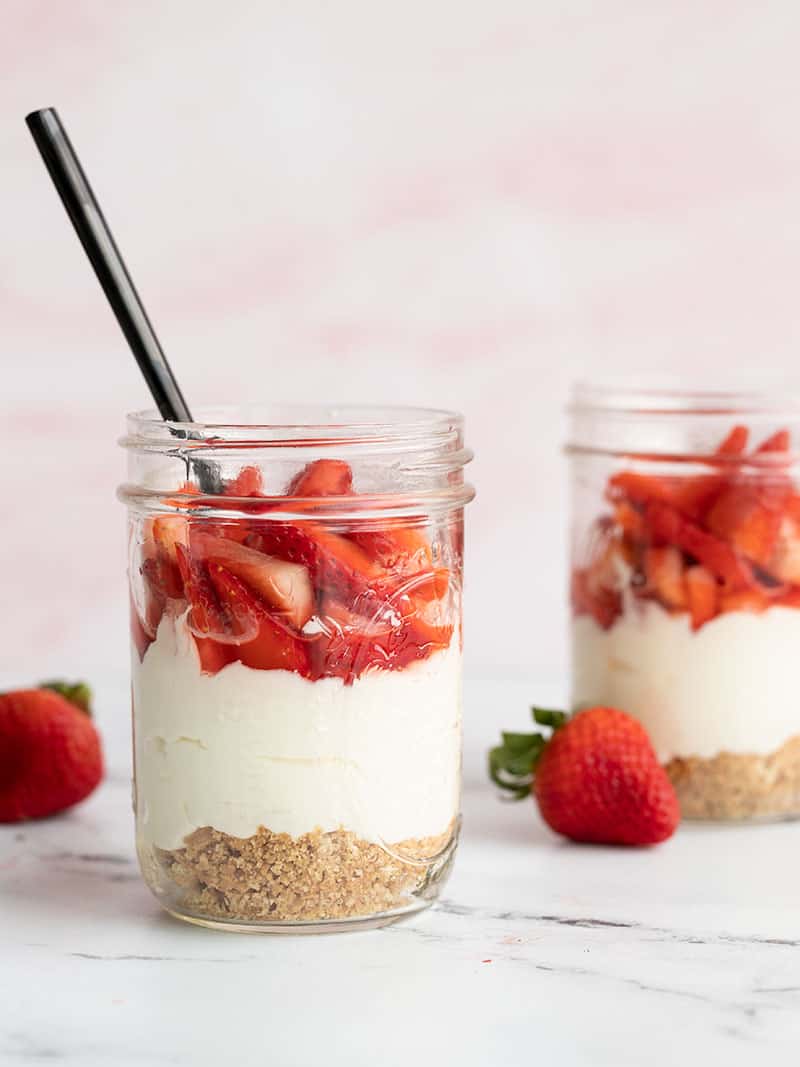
{"x":685,"y":586}
{"x":295,"y":579}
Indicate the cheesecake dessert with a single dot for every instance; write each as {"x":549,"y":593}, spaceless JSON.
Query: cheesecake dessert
{"x":686,"y":613}
{"x":297,"y":702}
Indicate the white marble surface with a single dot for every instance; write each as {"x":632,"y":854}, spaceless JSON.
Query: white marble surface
{"x":540,"y":952}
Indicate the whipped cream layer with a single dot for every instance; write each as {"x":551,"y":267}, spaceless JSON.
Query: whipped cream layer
{"x":246,"y":748}
{"x":731,"y":686}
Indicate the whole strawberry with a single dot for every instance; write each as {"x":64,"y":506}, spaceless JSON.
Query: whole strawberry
{"x":50,"y":755}
{"x":595,"y":779}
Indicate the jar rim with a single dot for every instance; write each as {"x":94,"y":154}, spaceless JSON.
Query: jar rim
{"x":423,"y":445}
{"x":282,"y":425}
{"x":671,"y":398}
{"x":670,"y":423}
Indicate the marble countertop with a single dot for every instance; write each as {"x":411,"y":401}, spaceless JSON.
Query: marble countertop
{"x":540,"y":951}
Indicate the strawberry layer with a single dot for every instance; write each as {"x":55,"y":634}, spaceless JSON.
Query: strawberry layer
{"x":246,"y":748}
{"x":728,"y":687}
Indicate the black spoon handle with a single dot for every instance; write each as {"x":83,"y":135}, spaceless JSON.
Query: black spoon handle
{"x":95,"y":236}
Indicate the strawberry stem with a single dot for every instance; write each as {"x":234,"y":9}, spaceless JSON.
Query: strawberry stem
{"x":77,"y":693}
{"x":512,"y":764}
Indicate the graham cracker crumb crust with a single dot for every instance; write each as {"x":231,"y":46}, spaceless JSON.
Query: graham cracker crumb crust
{"x":273,"y":877}
{"x":734,"y":786}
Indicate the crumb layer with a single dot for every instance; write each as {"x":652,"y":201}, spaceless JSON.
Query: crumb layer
{"x":733,"y":786}
{"x":275,"y":877}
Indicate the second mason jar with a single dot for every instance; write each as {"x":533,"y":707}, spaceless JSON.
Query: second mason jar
{"x":296,"y":628}
{"x":685,"y":586}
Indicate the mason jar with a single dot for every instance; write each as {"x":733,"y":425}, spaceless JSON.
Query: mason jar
{"x":295,"y":579}
{"x":685,"y":586}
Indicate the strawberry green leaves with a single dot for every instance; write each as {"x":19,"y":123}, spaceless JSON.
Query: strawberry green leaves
{"x":512,"y":763}
{"x":77,"y":693}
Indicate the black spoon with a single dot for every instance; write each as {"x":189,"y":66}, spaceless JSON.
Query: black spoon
{"x":91,"y":227}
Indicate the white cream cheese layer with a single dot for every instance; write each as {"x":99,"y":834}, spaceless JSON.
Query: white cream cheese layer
{"x":246,"y":748}
{"x":732,"y":686}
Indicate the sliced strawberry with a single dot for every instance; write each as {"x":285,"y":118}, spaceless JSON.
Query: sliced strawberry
{"x":595,"y":588}
{"x":603,"y":604}
{"x":778,"y":442}
{"x":753,"y":600}
{"x":793,"y":507}
{"x":276,"y":646}
{"x":640,"y":488}
{"x":405,"y":554}
{"x":702,"y":593}
{"x":219,"y":627}
{"x":340,"y":563}
{"x":323,"y":477}
{"x":425,"y":596}
{"x":284,"y":586}
{"x":790,"y":598}
{"x":242,"y":494}
{"x":161,"y":578}
{"x":735,"y":443}
{"x":748,"y":516}
{"x":338,"y":567}
{"x":689,"y":495}
{"x":422,"y":639}
{"x":396,"y":548}
{"x":235,"y":530}
{"x":352,"y":644}
{"x":206,"y":618}
{"x":784,"y":562}
{"x":410,"y":595}
{"x":695,"y":495}
{"x":629,"y":520}
{"x":162,"y":581}
{"x":248,"y":482}
{"x":214,"y":655}
{"x":169,"y":531}
{"x":664,"y":571}
{"x":668,"y":527}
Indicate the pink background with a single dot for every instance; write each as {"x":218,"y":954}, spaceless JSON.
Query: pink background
{"x":454,"y":204}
